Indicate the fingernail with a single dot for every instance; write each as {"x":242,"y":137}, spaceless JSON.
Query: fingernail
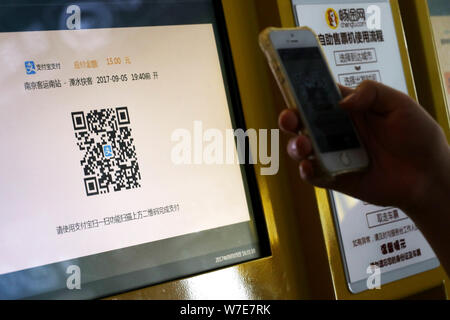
{"x":302,"y":173}
{"x":293,"y":151}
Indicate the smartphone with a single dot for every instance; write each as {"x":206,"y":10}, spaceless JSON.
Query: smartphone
{"x":306,"y":82}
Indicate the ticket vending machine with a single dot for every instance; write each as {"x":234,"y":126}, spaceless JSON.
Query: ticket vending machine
{"x":333,"y":251}
{"x":108,"y":186}
{"x":103,"y":102}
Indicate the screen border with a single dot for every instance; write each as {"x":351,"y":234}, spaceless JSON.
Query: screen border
{"x":247,"y":169}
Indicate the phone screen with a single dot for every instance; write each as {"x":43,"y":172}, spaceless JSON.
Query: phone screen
{"x":316,"y":92}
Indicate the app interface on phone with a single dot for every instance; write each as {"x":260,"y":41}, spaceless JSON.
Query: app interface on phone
{"x":318,"y":97}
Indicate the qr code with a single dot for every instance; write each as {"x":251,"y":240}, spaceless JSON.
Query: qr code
{"x":109,"y":160}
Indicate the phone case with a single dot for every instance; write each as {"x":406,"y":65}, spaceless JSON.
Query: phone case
{"x":288,"y":95}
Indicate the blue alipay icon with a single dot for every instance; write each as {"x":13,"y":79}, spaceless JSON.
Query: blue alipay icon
{"x":30,"y":67}
{"x":107,"y":151}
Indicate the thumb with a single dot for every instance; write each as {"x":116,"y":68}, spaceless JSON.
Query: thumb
{"x":376,"y":97}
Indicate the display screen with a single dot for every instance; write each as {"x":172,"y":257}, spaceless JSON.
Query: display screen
{"x":330,"y":126}
{"x":97,"y":99}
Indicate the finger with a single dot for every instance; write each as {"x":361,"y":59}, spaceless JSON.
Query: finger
{"x":299,"y":148}
{"x":345,"y":91}
{"x":289,"y":121}
{"x":376,"y":97}
{"x":349,"y":184}
{"x":308,"y":172}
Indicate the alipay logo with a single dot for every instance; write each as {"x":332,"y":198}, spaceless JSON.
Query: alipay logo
{"x":107,"y":151}
{"x":30,"y":67}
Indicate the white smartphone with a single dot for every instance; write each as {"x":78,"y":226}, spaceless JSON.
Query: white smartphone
{"x":304,"y":77}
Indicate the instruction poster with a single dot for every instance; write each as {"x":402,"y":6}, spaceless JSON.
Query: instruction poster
{"x":360,"y":43}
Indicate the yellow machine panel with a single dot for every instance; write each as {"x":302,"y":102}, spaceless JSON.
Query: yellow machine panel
{"x":428,"y":50}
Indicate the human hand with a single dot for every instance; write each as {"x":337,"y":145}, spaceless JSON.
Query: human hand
{"x":406,"y":147}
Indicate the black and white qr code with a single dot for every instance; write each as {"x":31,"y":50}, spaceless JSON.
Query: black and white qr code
{"x":109,"y":160}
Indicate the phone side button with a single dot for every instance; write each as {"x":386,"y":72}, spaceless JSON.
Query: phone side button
{"x":345,"y":159}
{"x":280,"y":76}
